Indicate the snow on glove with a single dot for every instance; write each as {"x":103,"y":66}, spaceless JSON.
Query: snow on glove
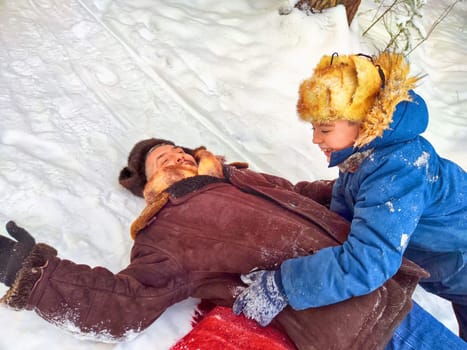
{"x":13,"y":253}
{"x":264,"y":297}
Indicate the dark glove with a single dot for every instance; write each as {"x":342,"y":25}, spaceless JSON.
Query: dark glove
{"x":263,"y":299}
{"x":13,"y":253}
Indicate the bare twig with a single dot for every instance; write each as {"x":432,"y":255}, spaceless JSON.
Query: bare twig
{"x":434,"y":25}
{"x":380,"y":17}
{"x":399,"y":19}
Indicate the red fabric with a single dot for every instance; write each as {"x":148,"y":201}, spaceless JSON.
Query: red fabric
{"x":222,"y":329}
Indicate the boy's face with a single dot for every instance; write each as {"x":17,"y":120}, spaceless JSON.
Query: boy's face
{"x":335,"y":136}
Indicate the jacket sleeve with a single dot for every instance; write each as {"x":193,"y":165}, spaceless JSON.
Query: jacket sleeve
{"x":320,"y":190}
{"x":94,"y":302}
{"x":388,"y":206}
{"x":339,"y":203}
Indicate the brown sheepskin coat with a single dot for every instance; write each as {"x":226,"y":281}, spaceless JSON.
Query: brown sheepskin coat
{"x":208,"y":232}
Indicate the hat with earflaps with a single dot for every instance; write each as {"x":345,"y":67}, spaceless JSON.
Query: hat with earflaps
{"x":356,"y":88}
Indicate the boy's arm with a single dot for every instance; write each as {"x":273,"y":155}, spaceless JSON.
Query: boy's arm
{"x":383,"y":221}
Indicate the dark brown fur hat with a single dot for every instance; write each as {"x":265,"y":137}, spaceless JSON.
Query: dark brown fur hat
{"x":133,"y":176}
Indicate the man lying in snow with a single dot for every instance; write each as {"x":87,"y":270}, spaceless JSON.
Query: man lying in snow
{"x":205,"y":224}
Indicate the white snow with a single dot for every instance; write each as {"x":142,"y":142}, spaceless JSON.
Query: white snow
{"x":404,"y":240}
{"x":422,"y":160}
{"x":82,"y":80}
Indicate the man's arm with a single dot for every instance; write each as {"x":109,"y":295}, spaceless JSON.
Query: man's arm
{"x":319,"y":190}
{"x":94,"y":302}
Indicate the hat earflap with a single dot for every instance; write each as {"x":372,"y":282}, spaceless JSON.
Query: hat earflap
{"x":396,"y":90}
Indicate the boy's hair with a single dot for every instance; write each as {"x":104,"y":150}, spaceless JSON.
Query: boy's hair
{"x":357,"y":88}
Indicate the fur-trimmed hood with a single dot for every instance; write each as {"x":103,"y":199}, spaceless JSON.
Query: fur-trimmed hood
{"x":409,"y":120}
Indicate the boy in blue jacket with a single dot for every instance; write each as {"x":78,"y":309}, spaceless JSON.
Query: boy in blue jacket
{"x":402,"y":198}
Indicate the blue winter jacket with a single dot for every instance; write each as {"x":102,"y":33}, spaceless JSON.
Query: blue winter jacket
{"x":402,"y":200}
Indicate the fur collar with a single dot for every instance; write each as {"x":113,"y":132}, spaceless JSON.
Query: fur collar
{"x":177,"y":190}
{"x":352,"y":163}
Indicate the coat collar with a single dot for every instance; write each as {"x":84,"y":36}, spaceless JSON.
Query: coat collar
{"x":176,"y":190}
{"x":352,"y":163}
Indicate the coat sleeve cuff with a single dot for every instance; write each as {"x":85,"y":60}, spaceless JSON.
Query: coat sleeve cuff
{"x":18,"y":295}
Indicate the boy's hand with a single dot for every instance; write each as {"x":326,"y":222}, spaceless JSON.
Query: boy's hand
{"x":263,"y":299}
{"x":13,"y":252}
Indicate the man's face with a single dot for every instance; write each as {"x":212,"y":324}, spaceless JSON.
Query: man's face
{"x":335,"y":136}
{"x":168,"y":156}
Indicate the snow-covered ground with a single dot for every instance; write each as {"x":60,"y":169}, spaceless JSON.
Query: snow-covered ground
{"x":82,"y":80}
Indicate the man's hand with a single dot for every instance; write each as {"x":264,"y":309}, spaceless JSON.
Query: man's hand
{"x":13,"y":253}
{"x":264,"y":297}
